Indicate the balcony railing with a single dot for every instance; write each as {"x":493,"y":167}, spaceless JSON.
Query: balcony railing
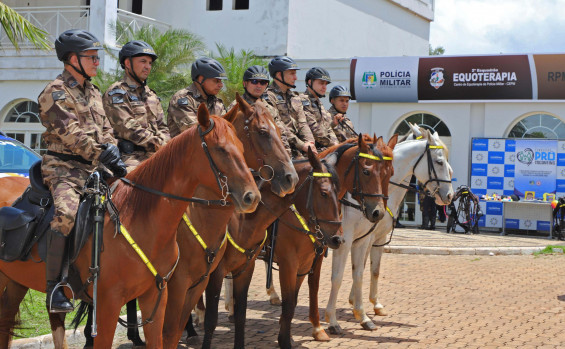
{"x":55,"y":20}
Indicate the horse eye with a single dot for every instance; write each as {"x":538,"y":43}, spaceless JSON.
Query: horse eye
{"x":366,"y":172}
{"x":264,"y":132}
{"x":324,"y":194}
{"x":440,"y":162}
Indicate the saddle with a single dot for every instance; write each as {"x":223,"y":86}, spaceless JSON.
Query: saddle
{"x":25,"y":223}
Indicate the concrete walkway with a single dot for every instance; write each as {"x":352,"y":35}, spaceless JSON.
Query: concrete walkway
{"x":440,"y":290}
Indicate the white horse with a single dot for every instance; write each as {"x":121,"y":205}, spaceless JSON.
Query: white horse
{"x":410,"y":157}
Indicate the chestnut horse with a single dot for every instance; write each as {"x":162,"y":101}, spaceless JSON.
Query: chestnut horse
{"x":209,"y":151}
{"x":11,"y":188}
{"x":268,"y":158}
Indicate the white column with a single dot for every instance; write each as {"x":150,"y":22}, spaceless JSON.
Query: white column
{"x":102,"y":23}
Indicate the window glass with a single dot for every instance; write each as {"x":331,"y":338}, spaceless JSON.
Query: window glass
{"x":538,"y":126}
{"x":428,"y":121}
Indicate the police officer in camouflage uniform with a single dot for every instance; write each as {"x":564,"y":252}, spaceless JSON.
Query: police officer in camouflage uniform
{"x":78,"y":138}
{"x":207,"y":76}
{"x":134,"y":110}
{"x":319,"y":119}
{"x":289,"y":105}
{"x":342,"y":126}
{"x":255,"y":82}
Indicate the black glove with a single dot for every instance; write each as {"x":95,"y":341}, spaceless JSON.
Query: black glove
{"x":110,"y":157}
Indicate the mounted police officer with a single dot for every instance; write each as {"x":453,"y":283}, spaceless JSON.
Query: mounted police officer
{"x":78,"y":138}
{"x":207,"y":81}
{"x":134,"y":110}
{"x":341,"y":125}
{"x":319,"y":119}
{"x":255,"y":82}
{"x":289,"y":105}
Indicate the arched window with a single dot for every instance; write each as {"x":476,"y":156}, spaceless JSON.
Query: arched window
{"x":22,"y":122}
{"x":429,"y":121}
{"x":538,"y":126}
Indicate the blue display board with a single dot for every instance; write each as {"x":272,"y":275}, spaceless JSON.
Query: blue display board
{"x":493,"y":163}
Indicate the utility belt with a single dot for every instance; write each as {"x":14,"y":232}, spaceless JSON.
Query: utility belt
{"x":128,"y":147}
{"x":69,"y":157}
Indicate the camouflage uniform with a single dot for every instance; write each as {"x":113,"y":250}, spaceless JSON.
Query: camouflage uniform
{"x":136,"y":115}
{"x":342,"y":132}
{"x":274,"y":113}
{"x":183,"y":108}
{"x":291,"y":115}
{"x":319,"y":121}
{"x":76,"y":127}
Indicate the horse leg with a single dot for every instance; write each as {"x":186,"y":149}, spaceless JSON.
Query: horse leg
{"x":376,"y":255}
{"x":108,"y":311}
{"x":213,"y":291}
{"x":228,"y":298}
{"x":57,"y":322}
{"x":240,"y":289}
{"x":339,"y":257}
{"x":288,"y":269}
{"x":133,"y":333}
{"x":12,"y":296}
{"x":200,"y":311}
{"x":313,"y":285}
{"x":189,"y":328}
{"x":358,"y":256}
{"x":153,"y":331}
{"x":274,"y":298}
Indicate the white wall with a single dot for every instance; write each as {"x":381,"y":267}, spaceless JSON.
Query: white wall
{"x":262,"y":28}
{"x":348,"y":28}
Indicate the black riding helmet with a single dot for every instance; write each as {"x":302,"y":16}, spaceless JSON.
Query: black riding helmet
{"x":317,"y":73}
{"x":209,"y":68}
{"x":76,"y":41}
{"x":339,"y":91}
{"x":136,"y":48}
{"x":256,"y":72}
{"x":282,"y":64}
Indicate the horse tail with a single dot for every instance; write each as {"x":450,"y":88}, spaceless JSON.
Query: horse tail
{"x":80,"y":315}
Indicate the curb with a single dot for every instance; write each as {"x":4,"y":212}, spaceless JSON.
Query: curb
{"x":473,"y":251}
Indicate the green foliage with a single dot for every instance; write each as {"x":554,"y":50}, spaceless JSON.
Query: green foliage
{"x":549,"y":250}
{"x":17,"y":29}
{"x":438,"y":51}
{"x":176,"y":49}
{"x":235,"y":65}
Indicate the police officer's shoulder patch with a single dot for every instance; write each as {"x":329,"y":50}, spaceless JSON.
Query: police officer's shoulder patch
{"x":118,"y":91}
{"x":117,"y":99}
{"x":58,"y":95}
{"x":305,"y":102}
{"x":280,"y":98}
{"x":183,"y":101}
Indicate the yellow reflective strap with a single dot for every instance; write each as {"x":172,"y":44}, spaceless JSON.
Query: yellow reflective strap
{"x":436,"y":146}
{"x":194,"y":232}
{"x":321,"y":174}
{"x":237,"y":247}
{"x":302,"y":221}
{"x":389,"y":212}
{"x":373,"y":157}
{"x":419,"y":137}
{"x":138,"y":250}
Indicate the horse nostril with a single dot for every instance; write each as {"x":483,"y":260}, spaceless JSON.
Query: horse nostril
{"x":376,"y":214}
{"x":337,"y":240}
{"x":248,"y":198}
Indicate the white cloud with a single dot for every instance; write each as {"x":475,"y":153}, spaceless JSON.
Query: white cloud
{"x":501,"y":26}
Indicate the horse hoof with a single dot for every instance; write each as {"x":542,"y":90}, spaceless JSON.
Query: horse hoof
{"x":321,"y":336}
{"x":369,"y":325}
{"x":275,"y":301}
{"x":231,"y":318}
{"x":335,"y":329}
{"x":380,"y":312}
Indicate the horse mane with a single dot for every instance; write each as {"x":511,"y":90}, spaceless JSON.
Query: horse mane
{"x":262,"y":109}
{"x":154,"y":171}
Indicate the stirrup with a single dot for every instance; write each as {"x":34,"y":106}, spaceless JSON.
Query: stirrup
{"x":60,"y":284}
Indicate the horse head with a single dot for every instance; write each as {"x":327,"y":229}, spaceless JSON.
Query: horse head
{"x":387,"y":170}
{"x":265,"y":153}
{"x":225,"y":155}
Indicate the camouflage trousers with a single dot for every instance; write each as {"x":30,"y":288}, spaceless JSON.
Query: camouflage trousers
{"x":133,"y":160}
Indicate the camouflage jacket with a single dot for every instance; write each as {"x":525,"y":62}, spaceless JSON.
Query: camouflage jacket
{"x":136,"y":114}
{"x":342,"y":132}
{"x":274,"y":113}
{"x":183,"y":107}
{"x":291,"y":115}
{"x":74,"y":119}
{"x":319,"y":121}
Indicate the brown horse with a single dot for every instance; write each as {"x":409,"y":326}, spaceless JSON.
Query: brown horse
{"x":152,"y":222}
{"x":315,"y":198}
{"x":267,"y":157}
{"x":364,"y":176}
{"x":11,"y":188}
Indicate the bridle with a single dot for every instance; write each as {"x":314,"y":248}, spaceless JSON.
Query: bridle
{"x":260,"y":162}
{"x":221,"y":179}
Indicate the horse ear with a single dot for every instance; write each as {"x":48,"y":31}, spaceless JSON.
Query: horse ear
{"x":392,"y":141}
{"x":380,"y":142}
{"x":243,"y":105}
{"x":374,"y":138}
{"x":314,"y":161}
{"x":203,"y":116}
{"x":362,"y":145}
{"x":231,"y":115}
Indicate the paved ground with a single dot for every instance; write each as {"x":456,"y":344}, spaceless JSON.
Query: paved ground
{"x":449,"y":293}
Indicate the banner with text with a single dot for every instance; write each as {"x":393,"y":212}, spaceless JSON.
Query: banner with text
{"x":536,"y":167}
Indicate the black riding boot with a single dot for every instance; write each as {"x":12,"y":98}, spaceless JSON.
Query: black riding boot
{"x":425,"y":220}
{"x":56,"y":301}
{"x":432,"y":222}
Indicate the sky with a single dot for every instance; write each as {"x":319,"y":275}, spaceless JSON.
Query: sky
{"x":465,"y":27}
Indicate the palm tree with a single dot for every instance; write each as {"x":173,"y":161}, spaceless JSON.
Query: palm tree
{"x":235,"y":65}
{"x":176,"y":49}
{"x":18,"y":29}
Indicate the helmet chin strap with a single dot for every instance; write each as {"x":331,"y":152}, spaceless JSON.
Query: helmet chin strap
{"x":282,"y":81}
{"x":134,"y":75}
{"x":315,"y":92}
{"x":81,"y":71}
